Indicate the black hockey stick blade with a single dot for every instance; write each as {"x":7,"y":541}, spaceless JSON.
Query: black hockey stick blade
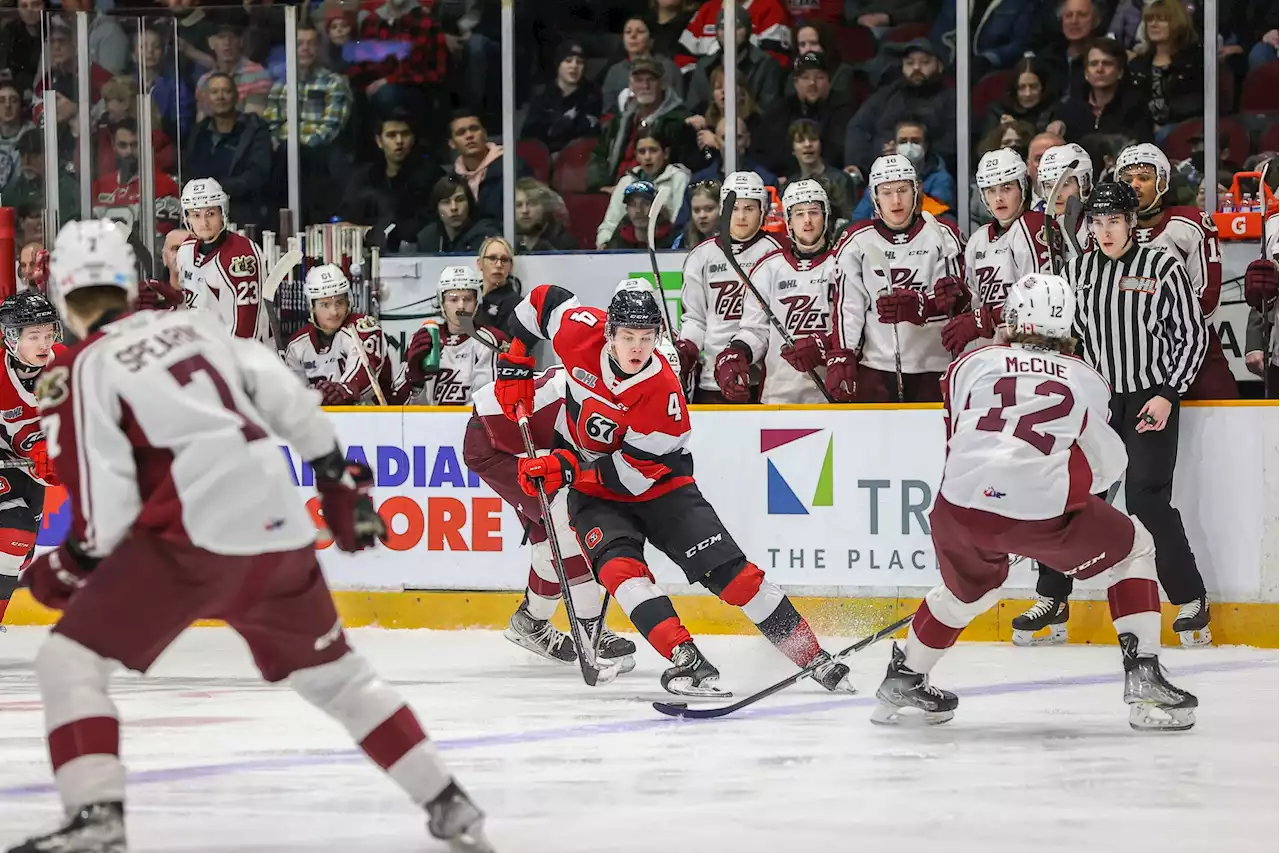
{"x":467,"y":322}
{"x":681,"y":709}
{"x":1071,"y":222}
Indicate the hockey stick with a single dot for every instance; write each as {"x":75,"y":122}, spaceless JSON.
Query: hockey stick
{"x":872,"y":251}
{"x":592,"y":673}
{"x":659,"y":202}
{"x":681,"y":709}
{"x":364,"y":362}
{"x":467,"y":323}
{"x":1267,"y":324}
{"x":279,"y":272}
{"x":726,"y":247}
{"x":1051,"y":212}
{"x":17,"y":463}
{"x":1071,"y":223}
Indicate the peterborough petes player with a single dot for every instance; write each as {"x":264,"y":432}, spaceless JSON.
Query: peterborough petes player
{"x":623,"y":450}
{"x":325,"y":352}
{"x":712,"y":296}
{"x":925,"y":264}
{"x":221,"y":271}
{"x":455,"y":364}
{"x":1000,"y":252}
{"x":156,"y":423}
{"x":1028,"y":445}
{"x":1079,"y":184}
{"x":796,"y":280}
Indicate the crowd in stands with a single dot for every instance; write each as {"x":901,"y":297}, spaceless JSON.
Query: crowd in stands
{"x":399,"y":104}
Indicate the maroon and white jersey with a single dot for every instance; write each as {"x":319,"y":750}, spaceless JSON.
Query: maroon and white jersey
{"x":632,"y":432}
{"x":712,"y":297}
{"x":799,"y":294}
{"x":161,"y":421}
{"x":225,"y":278}
{"x":995,"y":259}
{"x":1271,"y":240}
{"x":466,"y":365}
{"x":546,"y":420}
{"x":1027,"y":433}
{"x":1084,"y":238}
{"x":917,"y":258}
{"x":315,"y":356}
{"x":1193,"y":236}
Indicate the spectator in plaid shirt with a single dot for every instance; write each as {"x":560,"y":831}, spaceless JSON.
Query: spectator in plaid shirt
{"x":253,"y":82}
{"x":400,"y":52}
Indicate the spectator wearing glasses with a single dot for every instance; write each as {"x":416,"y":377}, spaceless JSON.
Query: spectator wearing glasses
{"x":763,"y":76}
{"x":392,"y":192}
{"x":1110,"y":104}
{"x":637,"y":42}
{"x":704,"y":215}
{"x":651,"y":105}
{"x":633,"y":232}
{"x":458,"y":227}
{"x":541,"y":218}
{"x":502,"y":290}
{"x":654,"y":166}
{"x":811,"y":99}
{"x":567,"y":108}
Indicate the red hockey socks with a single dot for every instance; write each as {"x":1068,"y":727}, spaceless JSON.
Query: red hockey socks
{"x":646,"y":605}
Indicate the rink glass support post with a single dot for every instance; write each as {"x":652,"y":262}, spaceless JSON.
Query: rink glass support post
{"x":8,"y":252}
{"x":729,"y":154}
{"x":964,"y":141}
{"x":52,"y":199}
{"x":291,"y":108}
{"x":1211,"y":70}
{"x":146,"y":227}
{"x":83,"y":62}
{"x":508,"y":22}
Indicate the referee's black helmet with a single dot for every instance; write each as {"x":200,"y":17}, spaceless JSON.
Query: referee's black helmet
{"x":1112,"y":197}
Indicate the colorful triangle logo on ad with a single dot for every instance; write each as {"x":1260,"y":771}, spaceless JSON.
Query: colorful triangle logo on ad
{"x":782,"y":499}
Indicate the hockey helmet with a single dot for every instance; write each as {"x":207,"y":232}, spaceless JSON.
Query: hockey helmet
{"x":459,"y":278}
{"x":1040,"y":305}
{"x":91,"y":253}
{"x":1145,"y":154}
{"x":747,"y":185}
{"x":807,"y":191}
{"x":633,"y":306}
{"x":1001,"y":166}
{"x":324,"y":281}
{"x":202,"y":193}
{"x":1112,"y":197}
{"x":21,"y":310}
{"x":1054,"y":163}
{"x":887,"y":169}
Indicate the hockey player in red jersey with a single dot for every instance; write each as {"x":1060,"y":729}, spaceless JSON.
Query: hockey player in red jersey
{"x":326,"y":351}
{"x":1028,"y":448}
{"x":796,"y":280}
{"x":221,"y":271}
{"x":623,"y":450}
{"x":1191,"y":235}
{"x":156,"y":422}
{"x":1000,"y":252}
{"x":880,"y":324}
{"x":31,"y":340}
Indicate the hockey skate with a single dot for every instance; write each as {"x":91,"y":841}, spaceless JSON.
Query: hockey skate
{"x":95,"y":828}
{"x":1192,"y":623}
{"x":903,"y":688}
{"x":832,"y":674}
{"x":1154,"y":703}
{"x":540,"y":637}
{"x":691,"y":674}
{"x":1051,"y":613}
{"x":454,"y":819}
{"x":614,"y":650}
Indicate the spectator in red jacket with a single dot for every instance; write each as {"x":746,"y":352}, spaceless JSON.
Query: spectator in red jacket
{"x":770,"y":31}
{"x":399,"y":55}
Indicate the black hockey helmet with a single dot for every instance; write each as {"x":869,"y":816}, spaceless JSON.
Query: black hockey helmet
{"x":21,"y":310}
{"x":1111,"y":197}
{"x":633,"y":306}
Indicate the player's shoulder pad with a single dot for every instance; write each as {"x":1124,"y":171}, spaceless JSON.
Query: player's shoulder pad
{"x":856,"y":229}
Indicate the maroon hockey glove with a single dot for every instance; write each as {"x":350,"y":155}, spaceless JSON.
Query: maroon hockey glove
{"x":1260,"y":283}
{"x":56,"y":575}
{"x":420,"y":346}
{"x":733,"y":372}
{"x":513,"y":383}
{"x":42,"y":466}
{"x":947,"y":291}
{"x":345,"y":501}
{"x":689,"y":353}
{"x":901,"y":305}
{"x":809,"y":353}
{"x":557,"y":469}
{"x":173,"y":297}
{"x":968,"y":327}
{"x":335,"y":393}
{"x":842,"y":375}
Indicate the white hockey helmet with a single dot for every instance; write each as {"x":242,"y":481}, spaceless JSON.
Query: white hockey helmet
{"x":807,"y":191}
{"x":1146,"y":154}
{"x":747,"y":185}
{"x":888,"y":168}
{"x":459,"y":278}
{"x":1056,"y":160}
{"x":91,"y":253}
{"x":667,"y":350}
{"x":204,"y":192}
{"x":1040,"y":305}
{"x":324,"y":281}
{"x":1001,"y":166}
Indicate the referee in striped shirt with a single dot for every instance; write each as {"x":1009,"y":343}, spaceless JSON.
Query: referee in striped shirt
{"x":1140,"y":325}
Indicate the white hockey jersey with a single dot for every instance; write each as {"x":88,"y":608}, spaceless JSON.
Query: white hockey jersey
{"x":1271,"y":239}
{"x":917,"y":258}
{"x":175,"y":427}
{"x":227,"y":281}
{"x":799,"y":294}
{"x":466,"y":365}
{"x":1027,"y":433}
{"x":712,"y":297}
{"x":1193,"y":236}
{"x":315,"y":356}
{"x":995,"y":260}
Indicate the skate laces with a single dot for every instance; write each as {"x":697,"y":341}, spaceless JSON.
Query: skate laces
{"x":1040,"y":608}
{"x":1189,"y":610}
{"x":550,"y":635}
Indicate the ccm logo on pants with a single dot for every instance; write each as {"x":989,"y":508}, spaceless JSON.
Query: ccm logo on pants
{"x":704,"y":545}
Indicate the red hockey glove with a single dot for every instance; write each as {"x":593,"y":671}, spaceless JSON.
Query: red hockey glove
{"x":420,"y":346}
{"x":335,"y":393}
{"x":733,"y":372}
{"x":842,"y":375}
{"x":345,"y":501}
{"x":968,"y":327}
{"x":689,"y":353}
{"x":809,"y":353}
{"x":901,"y":305}
{"x":40,"y":274}
{"x":56,"y":575}
{"x":556,"y":469}
{"x":947,"y":291}
{"x":42,"y":466}
{"x":513,"y":383}
{"x":1260,"y":283}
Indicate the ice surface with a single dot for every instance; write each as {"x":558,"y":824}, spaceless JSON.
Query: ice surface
{"x":1039,"y":758}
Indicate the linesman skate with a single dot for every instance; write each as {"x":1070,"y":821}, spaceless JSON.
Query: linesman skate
{"x":1192,"y":623}
{"x":1051,"y":613}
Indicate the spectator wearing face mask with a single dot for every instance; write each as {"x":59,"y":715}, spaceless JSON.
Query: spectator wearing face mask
{"x":653,"y":165}
{"x":810,"y":99}
{"x":911,"y":140}
{"x":568,"y":107}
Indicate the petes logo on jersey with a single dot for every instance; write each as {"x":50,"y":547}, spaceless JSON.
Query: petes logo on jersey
{"x":802,"y":316}
{"x":51,"y":390}
{"x":797,"y":459}
{"x":243,"y":265}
